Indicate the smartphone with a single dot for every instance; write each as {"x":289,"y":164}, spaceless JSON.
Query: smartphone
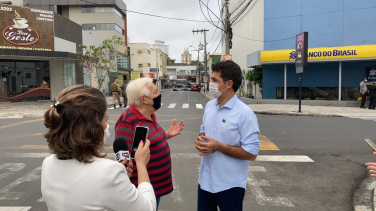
{"x":140,"y":134}
{"x":371,"y":144}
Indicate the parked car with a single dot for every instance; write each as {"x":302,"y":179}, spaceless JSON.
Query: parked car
{"x":195,"y":87}
{"x":183,"y":84}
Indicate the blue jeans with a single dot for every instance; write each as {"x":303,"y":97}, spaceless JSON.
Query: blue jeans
{"x":158,"y":200}
{"x":227,"y":200}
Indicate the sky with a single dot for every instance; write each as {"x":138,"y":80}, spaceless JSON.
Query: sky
{"x":177,"y":34}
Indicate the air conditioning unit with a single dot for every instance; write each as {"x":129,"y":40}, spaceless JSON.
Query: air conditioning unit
{"x":140,"y":64}
{"x":139,"y":50}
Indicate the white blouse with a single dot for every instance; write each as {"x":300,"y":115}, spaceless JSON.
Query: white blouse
{"x":69,"y":185}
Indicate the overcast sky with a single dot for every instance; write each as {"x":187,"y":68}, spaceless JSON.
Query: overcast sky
{"x":177,"y":34}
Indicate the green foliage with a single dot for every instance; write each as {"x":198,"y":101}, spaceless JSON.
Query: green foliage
{"x":102,"y":57}
{"x":255,"y":76}
{"x":194,"y":63}
{"x":170,"y":60}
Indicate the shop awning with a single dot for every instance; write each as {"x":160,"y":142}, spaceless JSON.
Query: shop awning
{"x":38,"y":54}
{"x":329,"y":54}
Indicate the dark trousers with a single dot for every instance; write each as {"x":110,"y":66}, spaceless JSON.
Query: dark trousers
{"x":228,"y":200}
{"x":372,"y":102}
{"x":363,"y":99}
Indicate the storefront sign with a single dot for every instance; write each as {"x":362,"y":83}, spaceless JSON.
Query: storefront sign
{"x":371,"y":74}
{"x":215,"y":60}
{"x":26,"y":28}
{"x":301,"y":49}
{"x":148,"y":75}
{"x":317,"y":54}
{"x":172,"y":77}
{"x":120,"y":80}
{"x":135,"y":75}
{"x":154,"y":70}
{"x":227,"y":57}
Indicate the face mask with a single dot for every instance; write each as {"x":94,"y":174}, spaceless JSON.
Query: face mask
{"x":106,"y":133}
{"x":365,"y":80}
{"x":213,"y":90}
{"x":157,"y":101}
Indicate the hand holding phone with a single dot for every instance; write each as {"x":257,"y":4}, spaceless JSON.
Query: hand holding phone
{"x":140,"y":134}
{"x":371,"y":144}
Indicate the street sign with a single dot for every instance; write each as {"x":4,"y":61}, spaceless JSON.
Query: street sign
{"x":227,"y":57}
{"x":203,"y":69}
{"x":301,"y":57}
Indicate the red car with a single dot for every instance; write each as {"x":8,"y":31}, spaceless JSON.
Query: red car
{"x":195,"y":87}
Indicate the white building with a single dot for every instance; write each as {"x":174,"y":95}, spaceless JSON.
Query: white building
{"x":140,"y":60}
{"x":248,"y":36}
{"x":182,"y":71}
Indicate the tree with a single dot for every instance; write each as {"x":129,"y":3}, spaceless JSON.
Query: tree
{"x":170,"y":60}
{"x":255,"y":76}
{"x":102,"y":58}
{"x":194,"y":63}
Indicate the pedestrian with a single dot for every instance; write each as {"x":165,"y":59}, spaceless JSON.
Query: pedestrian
{"x":363,"y":91}
{"x":372,"y":96}
{"x":77,"y":176}
{"x":228,"y":140}
{"x":116,"y":93}
{"x":44,"y":84}
{"x":144,"y":100}
{"x":124,"y":93}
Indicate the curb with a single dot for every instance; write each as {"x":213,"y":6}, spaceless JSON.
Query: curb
{"x":364,"y":196}
{"x":295,"y":114}
{"x":374,"y":200}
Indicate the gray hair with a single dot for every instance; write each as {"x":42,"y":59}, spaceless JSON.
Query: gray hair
{"x":137,"y":88}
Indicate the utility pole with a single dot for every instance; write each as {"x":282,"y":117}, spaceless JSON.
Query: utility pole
{"x":206,"y":62}
{"x":227,"y":30}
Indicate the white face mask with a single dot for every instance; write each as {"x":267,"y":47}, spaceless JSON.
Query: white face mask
{"x":213,"y":90}
{"x":106,"y":133}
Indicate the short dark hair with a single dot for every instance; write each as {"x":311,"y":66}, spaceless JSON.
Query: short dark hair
{"x":364,"y":78}
{"x":229,"y":70}
{"x":75,"y":125}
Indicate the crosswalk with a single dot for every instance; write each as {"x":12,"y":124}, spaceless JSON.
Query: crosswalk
{"x":365,"y":118}
{"x":171,"y":106}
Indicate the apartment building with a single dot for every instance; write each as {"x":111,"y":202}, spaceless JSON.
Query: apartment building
{"x":140,"y":57}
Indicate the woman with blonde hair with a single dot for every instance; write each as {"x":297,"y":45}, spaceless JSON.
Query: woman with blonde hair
{"x":77,"y":176}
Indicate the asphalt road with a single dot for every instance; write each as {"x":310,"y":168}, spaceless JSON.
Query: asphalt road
{"x":305,"y":163}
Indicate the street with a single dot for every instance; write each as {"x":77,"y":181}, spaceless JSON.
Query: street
{"x":305,"y":163}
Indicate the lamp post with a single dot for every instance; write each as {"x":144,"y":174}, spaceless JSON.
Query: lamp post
{"x":198,"y":60}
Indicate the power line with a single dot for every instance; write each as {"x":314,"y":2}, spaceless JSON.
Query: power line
{"x":206,"y":17}
{"x":242,"y":11}
{"x":250,"y":9}
{"x":263,"y":40}
{"x":210,"y":10}
{"x":158,"y":16}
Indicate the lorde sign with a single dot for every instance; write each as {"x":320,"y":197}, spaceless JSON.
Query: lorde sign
{"x":26,"y":28}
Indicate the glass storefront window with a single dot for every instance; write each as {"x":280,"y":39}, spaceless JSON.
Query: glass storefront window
{"x":69,"y":74}
{"x":23,"y":76}
{"x":319,"y":93}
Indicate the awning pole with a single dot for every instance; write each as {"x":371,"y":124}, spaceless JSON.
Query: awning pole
{"x":340,"y":82}
{"x":285,"y":87}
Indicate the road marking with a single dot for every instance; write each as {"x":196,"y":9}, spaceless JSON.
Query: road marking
{"x":185,"y":105}
{"x":34,"y":175}
{"x":12,"y":167}
{"x":20,"y":123}
{"x":261,"y":198}
{"x":162,"y":104}
{"x":199,"y":106}
{"x":41,"y":200}
{"x":285,"y":158}
{"x":172,"y":105}
{"x":266,"y":144}
{"x":176,"y":194}
{"x":260,"y":158}
{"x":21,"y":136}
{"x":14,"y":208}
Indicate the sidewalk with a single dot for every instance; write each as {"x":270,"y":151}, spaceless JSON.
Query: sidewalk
{"x":292,"y":110}
{"x":36,"y":109}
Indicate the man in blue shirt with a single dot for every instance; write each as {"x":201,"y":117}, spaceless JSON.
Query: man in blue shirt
{"x":228,"y":140}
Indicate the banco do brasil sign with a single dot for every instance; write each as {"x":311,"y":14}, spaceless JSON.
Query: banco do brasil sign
{"x":332,"y":53}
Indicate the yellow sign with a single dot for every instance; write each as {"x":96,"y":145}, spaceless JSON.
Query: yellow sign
{"x":135,"y":75}
{"x":332,"y":53}
{"x":120,"y":79}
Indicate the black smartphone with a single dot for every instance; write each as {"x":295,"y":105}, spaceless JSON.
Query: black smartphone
{"x":140,"y":134}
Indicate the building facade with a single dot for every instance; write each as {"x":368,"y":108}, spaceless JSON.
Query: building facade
{"x":186,"y":57}
{"x":182,"y":71}
{"x":140,"y":55}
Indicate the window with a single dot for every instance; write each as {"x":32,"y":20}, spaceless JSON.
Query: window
{"x":52,"y":8}
{"x":69,"y":74}
{"x":102,"y":10}
{"x":102,"y":26}
{"x":28,"y":75}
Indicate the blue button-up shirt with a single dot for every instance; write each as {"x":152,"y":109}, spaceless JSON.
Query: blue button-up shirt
{"x":233,"y":124}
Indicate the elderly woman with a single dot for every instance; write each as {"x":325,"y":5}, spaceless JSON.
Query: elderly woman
{"x":145,"y":99}
{"x":77,"y":176}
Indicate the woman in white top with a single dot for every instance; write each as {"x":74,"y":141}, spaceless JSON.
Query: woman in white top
{"x":77,"y":176}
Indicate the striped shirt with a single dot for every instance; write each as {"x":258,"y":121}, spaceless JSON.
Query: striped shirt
{"x":159,"y":166}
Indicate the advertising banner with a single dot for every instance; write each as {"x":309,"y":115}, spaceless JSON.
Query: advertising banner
{"x":135,"y":75}
{"x":26,"y":28}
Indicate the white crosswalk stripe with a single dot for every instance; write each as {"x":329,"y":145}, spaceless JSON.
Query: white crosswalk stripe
{"x":172,"y":105}
{"x":199,"y":106}
{"x":365,"y":118}
{"x":14,"y":208}
{"x":185,"y":105}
